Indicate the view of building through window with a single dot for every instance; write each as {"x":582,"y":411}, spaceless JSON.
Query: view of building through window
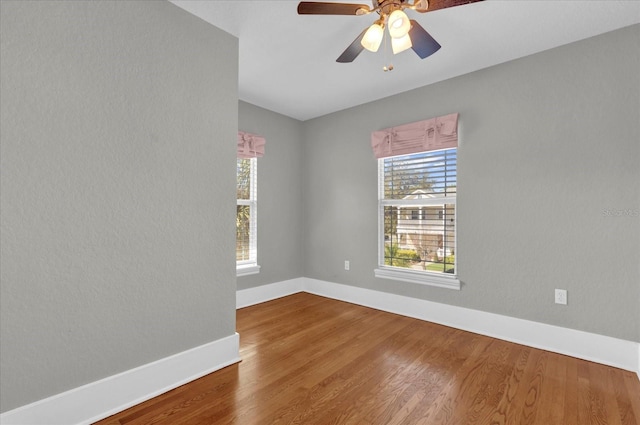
{"x":417,"y":207}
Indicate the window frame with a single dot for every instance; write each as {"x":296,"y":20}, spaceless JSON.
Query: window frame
{"x":250,"y":266}
{"x":422,"y":277}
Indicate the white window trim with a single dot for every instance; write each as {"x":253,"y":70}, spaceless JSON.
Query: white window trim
{"x":247,"y":269}
{"x":250,"y":267}
{"x":419,"y":277}
{"x":441,"y":280}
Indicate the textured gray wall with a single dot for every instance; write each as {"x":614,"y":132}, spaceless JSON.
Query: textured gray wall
{"x":117,"y":189}
{"x":279,"y":195}
{"x":549,"y":143}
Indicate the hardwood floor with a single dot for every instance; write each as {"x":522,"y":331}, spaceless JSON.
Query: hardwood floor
{"x":313,"y":360}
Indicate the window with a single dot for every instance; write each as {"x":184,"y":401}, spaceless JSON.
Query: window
{"x":250,"y":147}
{"x":246,"y":217}
{"x":417,"y":178}
{"x":417,"y":217}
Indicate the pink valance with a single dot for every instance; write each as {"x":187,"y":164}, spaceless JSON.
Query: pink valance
{"x":250,"y":145}
{"x":421,"y":136}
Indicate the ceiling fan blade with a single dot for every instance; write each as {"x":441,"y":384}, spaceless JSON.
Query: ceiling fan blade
{"x":353,"y":50}
{"x":324,"y":8}
{"x":422,"y":42}
{"x":443,"y":4}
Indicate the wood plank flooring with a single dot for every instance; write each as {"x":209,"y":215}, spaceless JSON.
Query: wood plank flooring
{"x":313,"y":360}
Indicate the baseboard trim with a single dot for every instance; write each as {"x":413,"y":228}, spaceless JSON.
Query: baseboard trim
{"x":584,"y":345}
{"x":100,"y":399}
{"x":638,"y":370}
{"x":260,"y":294}
{"x":602,"y":349}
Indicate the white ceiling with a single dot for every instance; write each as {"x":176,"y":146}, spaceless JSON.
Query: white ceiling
{"x":287,"y":62}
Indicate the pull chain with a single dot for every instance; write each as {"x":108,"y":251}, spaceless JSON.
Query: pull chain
{"x":389,"y":67}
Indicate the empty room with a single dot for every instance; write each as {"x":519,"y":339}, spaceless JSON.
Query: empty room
{"x":355,"y":288}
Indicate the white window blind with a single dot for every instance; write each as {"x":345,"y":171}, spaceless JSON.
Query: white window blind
{"x":246,"y":217}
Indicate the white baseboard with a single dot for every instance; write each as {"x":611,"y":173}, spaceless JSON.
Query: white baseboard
{"x":100,"y":399}
{"x":260,"y":294}
{"x":584,"y":345}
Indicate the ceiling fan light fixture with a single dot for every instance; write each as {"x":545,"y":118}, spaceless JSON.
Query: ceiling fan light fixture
{"x":398,"y":23}
{"x":400,"y":44}
{"x":373,"y":37}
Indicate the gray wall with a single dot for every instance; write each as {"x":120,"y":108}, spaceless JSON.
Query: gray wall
{"x":117,"y":189}
{"x":279,"y":195}
{"x":548,"y":143}
{"x":115,"y":202}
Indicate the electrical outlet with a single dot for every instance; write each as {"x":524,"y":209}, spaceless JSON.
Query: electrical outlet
{"x":346,"y":264}
{"x":561,"y":296}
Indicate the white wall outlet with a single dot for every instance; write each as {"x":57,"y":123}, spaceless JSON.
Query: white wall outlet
{"x":346,"y":265}
{"x":561,"y":296}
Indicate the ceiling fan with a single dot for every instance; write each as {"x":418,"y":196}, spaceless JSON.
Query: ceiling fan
{"x":405,"y":33}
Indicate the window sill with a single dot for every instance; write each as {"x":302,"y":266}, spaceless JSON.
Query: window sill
{"x":247,"y":270}
{"x":421,"y":278}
